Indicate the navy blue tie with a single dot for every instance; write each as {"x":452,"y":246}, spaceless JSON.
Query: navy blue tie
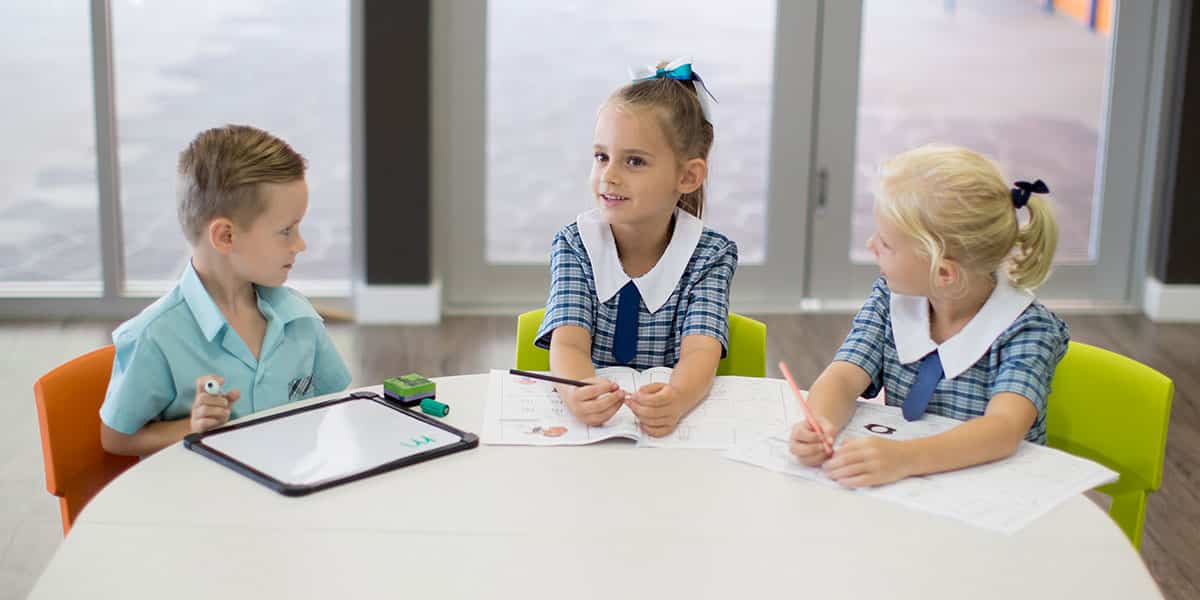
{"x":625,"y":337}
{"x":928,"y":376}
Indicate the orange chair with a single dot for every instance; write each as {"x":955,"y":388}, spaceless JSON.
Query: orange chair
{"x":68,"y":405}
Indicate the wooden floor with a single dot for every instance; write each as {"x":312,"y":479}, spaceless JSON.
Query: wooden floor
{"x":29,"y":522}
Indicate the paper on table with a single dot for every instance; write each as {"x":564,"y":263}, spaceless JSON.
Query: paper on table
{"x":529,"y":412}
{"x":736,"y":409}
{"x":1004,"y":496}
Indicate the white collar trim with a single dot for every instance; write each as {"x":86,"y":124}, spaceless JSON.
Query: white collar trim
{"x":656,"y":285}
{"x":910,"y":327}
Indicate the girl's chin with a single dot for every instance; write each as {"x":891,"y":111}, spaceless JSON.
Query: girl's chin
{"x":618,"y":213}
{"x":614,"y":206}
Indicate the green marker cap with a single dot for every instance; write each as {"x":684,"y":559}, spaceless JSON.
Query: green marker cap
{"x":430,"y":406}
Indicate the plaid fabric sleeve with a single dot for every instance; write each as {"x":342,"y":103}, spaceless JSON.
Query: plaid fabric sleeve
{"x":708,"y":299}
{"x":571,"y":301}
{"x":868,"y":335}
{"x":1029,"y":356}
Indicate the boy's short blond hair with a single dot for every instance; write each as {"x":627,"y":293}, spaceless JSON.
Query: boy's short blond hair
{"x":219,"y":173}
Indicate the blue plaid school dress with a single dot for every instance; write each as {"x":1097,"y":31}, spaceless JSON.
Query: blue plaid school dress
{"x":686,"y":293}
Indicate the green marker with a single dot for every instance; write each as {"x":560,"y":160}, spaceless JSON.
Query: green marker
{"x":430,"y":406}
{"x":409,"y":389}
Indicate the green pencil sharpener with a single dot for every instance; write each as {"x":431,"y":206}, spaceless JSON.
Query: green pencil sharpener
{"x":409,"y":390}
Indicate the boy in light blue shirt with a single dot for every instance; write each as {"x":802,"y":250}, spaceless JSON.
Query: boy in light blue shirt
{"x":242,"y":195}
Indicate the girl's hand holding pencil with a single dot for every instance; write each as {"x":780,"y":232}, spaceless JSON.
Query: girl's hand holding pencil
{"x":811,"y":441}
{"x":808,"y":446}
{"x":593,"y":401}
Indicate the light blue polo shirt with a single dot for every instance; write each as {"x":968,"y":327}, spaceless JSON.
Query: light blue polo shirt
{"x":163,"y":350}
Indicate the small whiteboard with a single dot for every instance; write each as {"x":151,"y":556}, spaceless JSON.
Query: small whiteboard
{"x":318,"y":446}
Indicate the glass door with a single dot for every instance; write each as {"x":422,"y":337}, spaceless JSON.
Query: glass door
{"x":49,"y":230}
{"x":183,"y":67}
{"x":1047,"y":92}
{"x":516,"y":87}
{"x":108,"y":92}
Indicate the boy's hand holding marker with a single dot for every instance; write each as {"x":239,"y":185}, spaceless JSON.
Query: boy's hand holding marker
{"x":211,"y":408}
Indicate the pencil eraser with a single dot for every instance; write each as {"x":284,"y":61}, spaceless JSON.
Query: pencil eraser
{"x":409,"y":389}
{"x":430,"y":406}
{"x":212,"y":387}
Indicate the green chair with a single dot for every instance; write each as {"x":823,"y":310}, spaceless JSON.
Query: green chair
{"x":747,"y":355}
{"x":1113,"y":410}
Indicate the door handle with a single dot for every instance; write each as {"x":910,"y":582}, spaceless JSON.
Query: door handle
{"x":822,"y":187}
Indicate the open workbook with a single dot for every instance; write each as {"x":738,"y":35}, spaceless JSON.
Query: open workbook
{"x":526,"y":411}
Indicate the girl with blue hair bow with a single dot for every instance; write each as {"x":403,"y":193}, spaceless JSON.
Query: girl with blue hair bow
{"x":639,"y":280}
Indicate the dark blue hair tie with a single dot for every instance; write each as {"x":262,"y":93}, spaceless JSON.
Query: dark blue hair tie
{"x":1023,"y":189}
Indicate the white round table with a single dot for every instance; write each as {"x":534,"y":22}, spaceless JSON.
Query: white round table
{"x":599,"y":521}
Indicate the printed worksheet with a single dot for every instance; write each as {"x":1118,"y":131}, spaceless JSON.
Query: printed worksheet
{"x":1003,"y":496}
{"x":526,"y":411}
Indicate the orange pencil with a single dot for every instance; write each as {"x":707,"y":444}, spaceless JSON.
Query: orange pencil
{"x":807,"y":411}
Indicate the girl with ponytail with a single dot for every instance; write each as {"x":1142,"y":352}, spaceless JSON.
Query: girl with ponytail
{"x":951,"y":327}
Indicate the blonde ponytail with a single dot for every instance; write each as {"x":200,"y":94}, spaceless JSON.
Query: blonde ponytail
{"x":1034,"y":249}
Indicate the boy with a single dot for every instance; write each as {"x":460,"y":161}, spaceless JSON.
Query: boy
{"x":241,"y":198}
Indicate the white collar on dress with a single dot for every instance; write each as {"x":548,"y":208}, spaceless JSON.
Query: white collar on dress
{"x":656,"y":285}
{"x":910,"y":327}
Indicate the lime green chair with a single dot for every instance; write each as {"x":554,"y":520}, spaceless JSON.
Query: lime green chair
{"x":747,"y":355}
{"x":1113,"y":410}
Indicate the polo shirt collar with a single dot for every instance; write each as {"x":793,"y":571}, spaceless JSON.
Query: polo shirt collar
{"x":276,"y":303}
{"x":204,"y":309}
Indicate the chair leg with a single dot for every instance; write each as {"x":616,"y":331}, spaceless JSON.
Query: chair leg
{"x":64,"y":510}
{"x":1129,"y":511}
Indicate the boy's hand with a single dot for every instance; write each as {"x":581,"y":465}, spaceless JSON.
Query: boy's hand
{"x":868,"y":461}
{"x":594,"y":404}
{"x":210,"y":411}
{"x":806,"y":444}
{"x":659,"y":407}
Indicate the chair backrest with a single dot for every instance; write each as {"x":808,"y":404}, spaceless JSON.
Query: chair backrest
{"x":529,"y":356}
{"x":747,"y":355}
{"x":1111,"y":409}
{"x":68,"y":406}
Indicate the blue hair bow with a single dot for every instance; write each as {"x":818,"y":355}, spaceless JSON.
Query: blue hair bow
{"x":678,"y":70}
{"x":1023,"y":189}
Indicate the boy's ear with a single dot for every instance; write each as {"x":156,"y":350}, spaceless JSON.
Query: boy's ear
{"x":692,"y":176}
{"x":220,"y":235}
